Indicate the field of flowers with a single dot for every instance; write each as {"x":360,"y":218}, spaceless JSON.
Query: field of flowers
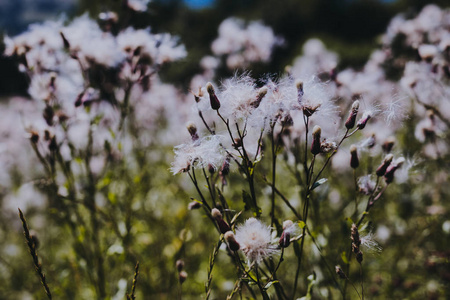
{"x":317,"y":182}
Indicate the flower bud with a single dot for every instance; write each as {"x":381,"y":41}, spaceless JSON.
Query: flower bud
{"x":215,"y":103}
{"x":350,"y":123}
{"x":285,"y":239}
{"x":381,"y":170}
{"x":354,"y":161}
{"x":261,"y":93}
{"x":216,"y":213}
{"x":225,"y":170}
{"x":359,"y":256}
{"x":180,"y":265}
{"x":340,"y":272}
{"x":223,"y":225}
{"x":315,"y":146}
{"x":388,"y":144}
{"x":194,"y":205}
{"x":389,"y":175}
{"x":363,"y":121}
{"x":48,"y":115}
{"x":231,"y":241}
{"x":192,"y":131}
{"x":34,"y":136}
{"x":182,"y":276}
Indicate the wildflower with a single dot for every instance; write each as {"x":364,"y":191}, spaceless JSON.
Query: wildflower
{"x":202,"y":153}
{"x":255,"y":240}
{"x":350,"y":123}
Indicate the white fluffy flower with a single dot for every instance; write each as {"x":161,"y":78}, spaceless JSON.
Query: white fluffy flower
{"x":255,"y":240}
{"x":200,"y":154}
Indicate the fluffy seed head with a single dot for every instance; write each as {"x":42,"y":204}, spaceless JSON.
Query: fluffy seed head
{"x":255,"y":240}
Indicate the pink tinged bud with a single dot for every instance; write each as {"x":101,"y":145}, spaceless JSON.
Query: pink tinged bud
{"x":363,"y":121}
{"x":381,"y":170}
{"x":192,"y":131}
{"x":194,"y":205}
{"x":180,"y":265}
{"x":285,"y":239}
{"x":315,"y":146}
{"x":182,"y":276}
{"x":215,"y":103}
{"x":340,"y":272}
{"x":225,"y":170}
{"x":231,"y":241}
{"x":216,"y":213}
{"x":350,"y":123}
{"x":389,"y":176}
{"x":354,"y":161}
{"x":223,"y":225}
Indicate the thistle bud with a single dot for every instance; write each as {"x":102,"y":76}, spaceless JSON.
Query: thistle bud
{"x":225,"y":170}
{"x":363,"y":121}
{"x":285,"y":238}
{"x":315,"y":146}
{"x":215,"y":103}
{"x":354,"y":161}
{"x":381,"y":170}
{"x":340,"y":272}
{"x":389,"y":175}
{"x":261,"y":93}
{"x":34,"y":137}
{"x":180,"y":265}
{"x":388,"y":144}
{"x":359,"y":256}
{"x":194,"y":205}
{"x":182,"y":276}
{"x":192,"y":131}
{"x":223,"y":225}
{"x":216,"y":213}
{"x":350,"y":123}
{"x":231,"y":241}
{"x":300,"y":92}
{"x":211,"y":169}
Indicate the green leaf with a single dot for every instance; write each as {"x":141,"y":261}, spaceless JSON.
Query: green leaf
{"x":344,"y":257}
{"x":270,"y":283}
{"x":248,"y":201}
{"x":235,"y":217}
{"x":301,"y":224}
{"x":318,"y":183}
